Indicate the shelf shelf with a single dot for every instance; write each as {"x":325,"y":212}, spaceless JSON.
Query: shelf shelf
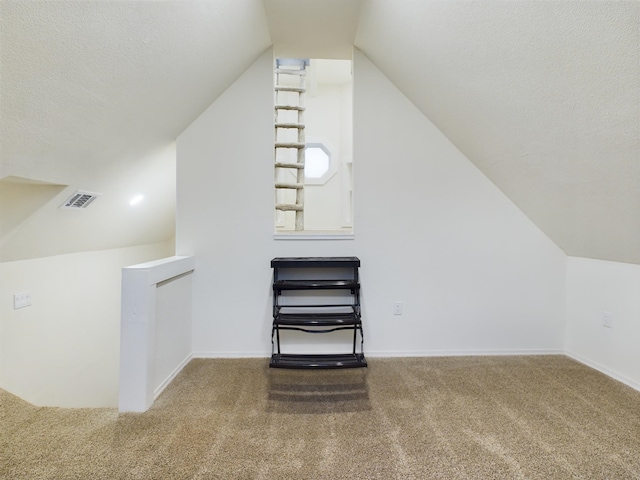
{"x":350,"y":306}
{"x":323,"y":313}
{"x":314,"y":262}
{"x":315,"y":284}
{"x":350,"y":360}
{"x":317,"y":319}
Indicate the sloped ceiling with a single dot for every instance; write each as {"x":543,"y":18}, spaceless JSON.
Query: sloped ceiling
{"x":92,"y":80}
{"x":543,"y":96}
{"x":313,"y":28}
{"x":94,"y":94}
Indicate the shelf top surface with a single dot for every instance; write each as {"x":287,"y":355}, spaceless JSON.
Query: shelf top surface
{"x":313,"y":284}
{"x":317,"y":262}
{"x":318,"y":361}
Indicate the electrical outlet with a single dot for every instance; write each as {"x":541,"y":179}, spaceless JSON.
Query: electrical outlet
{"x":397,"y":308}
{"x":21,"y":300}
{"x":607,"y":321}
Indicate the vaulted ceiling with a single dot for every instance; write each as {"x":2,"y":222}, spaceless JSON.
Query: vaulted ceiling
{"x":542,"y":96}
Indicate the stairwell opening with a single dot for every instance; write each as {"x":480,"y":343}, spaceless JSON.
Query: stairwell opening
{"x":313,"y":147}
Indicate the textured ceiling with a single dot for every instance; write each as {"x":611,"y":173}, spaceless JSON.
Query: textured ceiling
{"x":313,"y":28}
{"x":543,"y":96}
{"x":93,"y":95}
{"x":95,"y":80}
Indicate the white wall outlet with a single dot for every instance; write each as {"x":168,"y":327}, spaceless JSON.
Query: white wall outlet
{"x":21,"y":300}
{"x":607,"y":321}
{"x":397,"y":308}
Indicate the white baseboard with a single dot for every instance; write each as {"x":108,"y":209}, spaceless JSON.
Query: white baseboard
{"x":231,"y":354}
{"x":399,"y":353}
{"x":602,"y":369}
{"x":165,"y":383}
{"x":461,"y":353}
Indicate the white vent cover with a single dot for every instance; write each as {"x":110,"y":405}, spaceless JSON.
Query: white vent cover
{"x":80,"y":199}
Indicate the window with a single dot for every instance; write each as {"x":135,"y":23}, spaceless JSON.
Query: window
{"x":313,"y":144}
{"x":317,"y":164}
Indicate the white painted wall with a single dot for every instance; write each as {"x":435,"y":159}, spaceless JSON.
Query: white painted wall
{"x":432,"y":231}
{"x":225,"y":211}
{"x":328,"y":118}
{"x":155,"y":329}
{"x":173,"y":329}
{"x":64,"y":349}
{"x":595,"y":287}
{"x":475,"y":275}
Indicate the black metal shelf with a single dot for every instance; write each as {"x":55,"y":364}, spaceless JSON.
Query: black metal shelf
{"x":320,"y":306}
{"x":315,"y":262}
{"x":315,"y":285}
{"x":317,"y":317}
{"x":349,"y":360}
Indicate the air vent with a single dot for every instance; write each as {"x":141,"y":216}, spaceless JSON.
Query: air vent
{"x":80,"y":199}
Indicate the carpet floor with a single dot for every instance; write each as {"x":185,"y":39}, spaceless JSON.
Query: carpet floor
{"x":520,"y":417}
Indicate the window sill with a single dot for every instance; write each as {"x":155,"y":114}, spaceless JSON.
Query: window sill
{"x":313,"y":235}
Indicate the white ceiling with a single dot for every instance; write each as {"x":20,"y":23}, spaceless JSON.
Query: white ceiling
{"x":119,"y":76}
{"x":93,"y":95}
{"x":544,"y":97}
{"x":313,"y":28}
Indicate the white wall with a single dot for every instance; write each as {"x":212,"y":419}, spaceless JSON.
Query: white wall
{"x":475,"y":275}
{"x":155,"y":329}
{"x":225,"y":212}
{"x":432,"y":231}
{"x":595,"y":287}
{"x":328,"y":119}
{"x":64,"y":349}
{"x":173,"y":328}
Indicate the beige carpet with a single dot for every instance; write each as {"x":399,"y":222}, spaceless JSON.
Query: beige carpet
{"x":541,"y":417}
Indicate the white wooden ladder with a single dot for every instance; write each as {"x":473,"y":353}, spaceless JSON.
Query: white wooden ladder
{"x":289,"y":137}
